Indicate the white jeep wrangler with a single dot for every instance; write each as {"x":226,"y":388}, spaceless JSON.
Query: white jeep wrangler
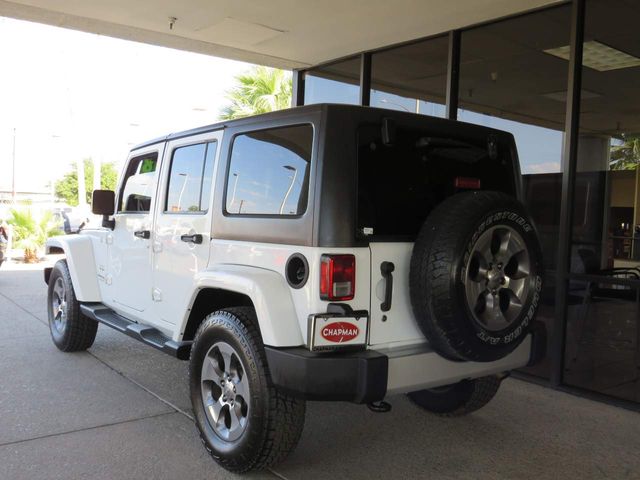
{"x":327,"y":252}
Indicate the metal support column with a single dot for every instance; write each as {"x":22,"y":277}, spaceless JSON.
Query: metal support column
{"x":453,"y":74}
{"x":365,"y":79}
{"x":569,"y":164}
{"x":297,"y":91}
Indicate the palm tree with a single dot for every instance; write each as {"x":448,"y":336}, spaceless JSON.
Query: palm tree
{"x":31,"y":233}
{"x":260,"y":90}
{"x":626,"y":156}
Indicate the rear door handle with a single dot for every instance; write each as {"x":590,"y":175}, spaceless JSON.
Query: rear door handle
{"x":195,"y":238}
{"x":386,"y":268}
{"x":146,"y":234}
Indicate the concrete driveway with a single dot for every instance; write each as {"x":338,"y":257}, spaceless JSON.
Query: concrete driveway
{"x":121,"y":410}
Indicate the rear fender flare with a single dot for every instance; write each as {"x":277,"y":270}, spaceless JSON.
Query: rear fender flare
{"x":269,"y":294}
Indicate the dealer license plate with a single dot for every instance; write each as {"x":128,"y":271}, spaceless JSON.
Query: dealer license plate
{"x":328,"y":332}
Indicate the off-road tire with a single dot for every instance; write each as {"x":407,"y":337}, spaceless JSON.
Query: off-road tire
{"x":79,"y":331}
{"x":437,"y":276}
{"x":458,"y":399}
{"x":275,"y":419}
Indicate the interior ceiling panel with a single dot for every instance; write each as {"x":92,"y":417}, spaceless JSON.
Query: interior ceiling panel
{"x":279,"y":33}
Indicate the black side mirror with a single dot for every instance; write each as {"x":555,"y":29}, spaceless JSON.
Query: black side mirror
{"x":104,"y":203}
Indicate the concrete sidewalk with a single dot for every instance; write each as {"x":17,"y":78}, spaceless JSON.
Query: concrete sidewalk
{"x":121,"y":410}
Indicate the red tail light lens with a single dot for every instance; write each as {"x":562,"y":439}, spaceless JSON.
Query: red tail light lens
{"x":467,"y":183}
{"x":337,"y":277}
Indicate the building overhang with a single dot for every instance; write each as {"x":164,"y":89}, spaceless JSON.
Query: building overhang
{"x":280,"y":33}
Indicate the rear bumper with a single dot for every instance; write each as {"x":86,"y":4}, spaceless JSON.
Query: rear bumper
{"x":368,"y":376}
{"x":359,"y":377}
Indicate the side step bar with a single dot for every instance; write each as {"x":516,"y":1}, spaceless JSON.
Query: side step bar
{"x":149,"y":335}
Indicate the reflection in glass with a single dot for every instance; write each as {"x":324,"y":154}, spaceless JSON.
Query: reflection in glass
{"x":508,"y":82}
{"x":411,"y":77}
{"x":602,"y":350}
{"x":185,"y":179}
{"x":269,"y":172}
{"x":138,"y":184}
{"x":335,"y":83}
{"x":207,"y":176}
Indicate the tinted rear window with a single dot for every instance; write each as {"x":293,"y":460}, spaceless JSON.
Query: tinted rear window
{"x":399,"y":184}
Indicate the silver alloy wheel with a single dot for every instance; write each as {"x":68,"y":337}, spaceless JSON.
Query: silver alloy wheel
{"x":497,"y":278}
{"x":225,"y":391}
{"x":59,"y":305}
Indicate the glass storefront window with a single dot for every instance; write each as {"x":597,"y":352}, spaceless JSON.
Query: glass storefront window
{"x":411,"y":77}
{"x":334,"y":83}
{"x":602,"y":351}
{"x":508,"y":82}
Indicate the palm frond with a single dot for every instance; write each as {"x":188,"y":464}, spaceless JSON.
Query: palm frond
{"x":260,"y":90}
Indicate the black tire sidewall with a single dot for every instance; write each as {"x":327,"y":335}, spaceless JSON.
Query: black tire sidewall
{"x":445,"y":400}
{"x":450,"y":232}
{"x":489,"y":345}
{"x":61,"y":270}
{"x":223,"y":326}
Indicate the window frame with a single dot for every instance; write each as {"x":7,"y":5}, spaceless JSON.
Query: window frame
{"x":228,"y":171}
{"x":206,"y":143}
{"x":123,"y":183}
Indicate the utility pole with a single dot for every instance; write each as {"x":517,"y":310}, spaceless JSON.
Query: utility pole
{"x":97,"y":173}
{"x":13,"y":169}
{"x":82,"y":190}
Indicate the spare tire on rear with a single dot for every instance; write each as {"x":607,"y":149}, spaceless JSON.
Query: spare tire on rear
{"x":476,"y":276}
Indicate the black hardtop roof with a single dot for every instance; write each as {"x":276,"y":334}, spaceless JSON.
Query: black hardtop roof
{"x":314,"y":108}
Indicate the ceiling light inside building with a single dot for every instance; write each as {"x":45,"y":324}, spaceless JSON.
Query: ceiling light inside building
{"x":599,"y":56}
{"x":562,"y":95}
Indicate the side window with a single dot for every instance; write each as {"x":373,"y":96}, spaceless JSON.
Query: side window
{"x":138,"y":184}
{"x":190,"y":177}
{"x":269,"y":172}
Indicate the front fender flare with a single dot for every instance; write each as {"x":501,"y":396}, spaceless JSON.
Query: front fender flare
{"x":270,"y":295}
{"x":78,"y":250}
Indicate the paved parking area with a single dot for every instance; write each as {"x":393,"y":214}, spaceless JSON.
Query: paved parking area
{"x":121,"y":410}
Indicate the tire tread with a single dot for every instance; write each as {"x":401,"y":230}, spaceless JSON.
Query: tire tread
{"x":81,"y":330}
{"x":285,"y":413}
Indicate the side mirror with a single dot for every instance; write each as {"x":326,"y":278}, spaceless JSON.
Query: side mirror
{"x":103,"y":203}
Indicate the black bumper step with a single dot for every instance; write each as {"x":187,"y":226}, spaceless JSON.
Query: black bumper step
{"x":149,"y":335}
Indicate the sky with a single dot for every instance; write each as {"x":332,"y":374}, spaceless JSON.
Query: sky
{"x":71,"y":95}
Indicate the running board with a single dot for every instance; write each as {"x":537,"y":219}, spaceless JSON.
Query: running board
{"x":149,"y":335}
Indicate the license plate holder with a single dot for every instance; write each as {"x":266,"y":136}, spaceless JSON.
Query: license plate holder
{"x":330,"y":331}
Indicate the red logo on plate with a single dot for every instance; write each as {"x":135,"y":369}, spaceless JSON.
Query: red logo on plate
{"x":339,"y":332}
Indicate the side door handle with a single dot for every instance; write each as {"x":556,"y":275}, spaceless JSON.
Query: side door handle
{"x":195,"y":238}
{"x":146,"y":234}
{"x":386,"y":269}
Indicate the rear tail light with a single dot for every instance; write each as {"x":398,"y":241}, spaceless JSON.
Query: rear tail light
{"x":337,"y":277}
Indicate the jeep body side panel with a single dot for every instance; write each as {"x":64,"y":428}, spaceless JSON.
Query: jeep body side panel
{"x":298,"y":303}
{"x":269,"y":293}
{"x":79,"y":252}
